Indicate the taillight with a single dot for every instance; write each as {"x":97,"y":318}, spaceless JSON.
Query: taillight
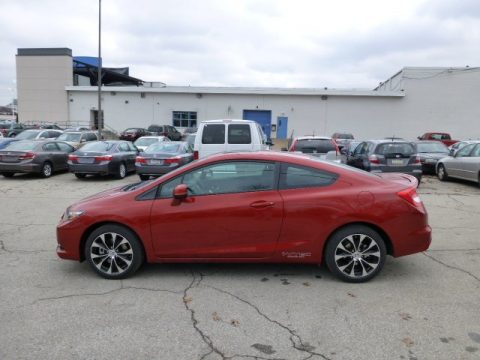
{"x":28,"y":156}
{"x":417,"y":160}
{"x":103,"y":158}
{"x":72,"y":157}
{"x":373,"y":159}
{"x":174,"y":160}
{"x":195,"y":155}
{"x":140,"y":160}
{"x":410,"y":195}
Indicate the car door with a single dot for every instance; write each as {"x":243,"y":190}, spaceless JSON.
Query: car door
{"x":65,"y":149}
{"x":233,"y":210}
{"x":358,"y":156}
{"x":53,"y":154}
{"x":456,"y":166}
{"x":470,"y":165}
{"x":128,"y":154}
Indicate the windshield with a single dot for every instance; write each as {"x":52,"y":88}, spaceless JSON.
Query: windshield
{"x":22,"y":145}
{"x":70,"y":137}
{"x":145,"y":141}
{"x":98,"y":146}
{"x":322,"y":146}
{"x":436,"y":147}
{"x":27,"y":135}
{"x":162,"y":147}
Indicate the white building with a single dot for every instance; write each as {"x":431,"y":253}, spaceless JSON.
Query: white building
{"x":413,"y":101}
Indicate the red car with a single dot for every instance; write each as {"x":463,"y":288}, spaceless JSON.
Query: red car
{"x":250,"y":207}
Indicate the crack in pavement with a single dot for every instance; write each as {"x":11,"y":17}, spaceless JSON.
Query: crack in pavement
{"x":4,"y":249}
{"x":450,"y":196}
{"x":440,"y":250}
{"x":295,"y":339}
{"x":452,"y":267}
{"x":104,"y":293}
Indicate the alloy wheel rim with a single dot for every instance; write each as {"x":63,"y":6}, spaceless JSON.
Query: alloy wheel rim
{"x":122,"y":170}
{"x":441,"y":172}
{"x":47,"y":170}
{"x":111,"y":253}
{"x":357,"y":255}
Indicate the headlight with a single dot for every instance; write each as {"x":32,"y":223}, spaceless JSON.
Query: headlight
{"x":69,"y":214}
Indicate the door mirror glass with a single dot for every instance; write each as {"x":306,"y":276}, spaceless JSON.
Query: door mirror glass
{"x":180,"y":192}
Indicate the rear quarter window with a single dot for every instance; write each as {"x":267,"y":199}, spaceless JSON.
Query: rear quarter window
{"x":213,"y":134}
{"x":294,"y":177}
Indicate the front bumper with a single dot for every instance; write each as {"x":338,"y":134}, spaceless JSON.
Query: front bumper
{"x":69,"y":236}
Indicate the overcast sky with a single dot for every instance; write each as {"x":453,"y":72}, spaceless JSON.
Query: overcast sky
{"x":266,"y":43}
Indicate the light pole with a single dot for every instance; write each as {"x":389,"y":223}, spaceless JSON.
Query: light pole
{"x":99,"y":76}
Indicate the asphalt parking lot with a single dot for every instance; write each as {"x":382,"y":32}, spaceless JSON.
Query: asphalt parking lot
{"x":425,"y":306}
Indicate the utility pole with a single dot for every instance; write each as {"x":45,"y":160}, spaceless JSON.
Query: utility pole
{"x":99,"y":77}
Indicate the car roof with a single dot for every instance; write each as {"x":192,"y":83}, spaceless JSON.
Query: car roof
{"x":151,"y":137}
{"x":228,"y":121}
{"x":313,"y":137}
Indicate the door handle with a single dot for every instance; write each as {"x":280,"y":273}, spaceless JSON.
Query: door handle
{"x":262,"y":204}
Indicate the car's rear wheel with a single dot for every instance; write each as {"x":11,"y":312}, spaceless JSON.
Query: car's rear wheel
{"x":8,"y":175}
{"x":80,"y":176}
{"x":114,"y":252}
{"x":355,"y":253}
{"x":47,"y":169}
{"x":144,"y":177}
{"x":122,"y":171}
{"x":442,"y":173}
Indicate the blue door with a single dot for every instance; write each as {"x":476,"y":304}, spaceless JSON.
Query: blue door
{"x":263,"y":117}
{"x":282,"y":127}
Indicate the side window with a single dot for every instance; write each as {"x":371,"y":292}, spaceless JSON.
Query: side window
{"x":131,"y":147}
{"x":167,"y":188}
{"x":476,"y":152}
{"x":91,"y":137}
{"x":239,"y":134}
{"x":294,"y":177}
{"x":50,"y":147}
{"x":65,"y":147}
{"x":231,"y":177}
{"x":124,"y":147}
{"x":465,"y":151}
{"x":53,"y":134}
{"x":213,"y":134}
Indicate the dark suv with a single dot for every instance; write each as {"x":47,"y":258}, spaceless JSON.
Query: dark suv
{"x":132,"y":134}
{"x":387,"y":156}
{"x":165,"y":130}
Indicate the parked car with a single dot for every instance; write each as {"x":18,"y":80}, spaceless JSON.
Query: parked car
{"x":132,"y":134}
{"x":78,"y":128}
{"x":10,"y":129}
{"x":38,"y":134}
{"x":4,"y":142}
{"x":348,"y":150}
{"x":50,"y":126}
{"x":438,"y":136}
{"x":458,"y":145}
{"x":163,"y":157}
{"x":258,"y":207}
{"x":28,"y":156}
{"x":387,"y":156}
{"x":225,"y":135}
{"x":188,"y":131}
{"x":323,"y":147}
{"x":165,"y":130}
{"x":78,"y":139}
{"x":112,"y":157}
{"x":342,"y":139}
{"x":145,"y":141}
{"x":465,"y":164}
{"x":429,"y":153}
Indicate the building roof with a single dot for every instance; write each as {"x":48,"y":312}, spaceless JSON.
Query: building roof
{"x":199,"y":90}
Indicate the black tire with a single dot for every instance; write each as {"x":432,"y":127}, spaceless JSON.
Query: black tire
{"x":442,"y":173}
{"x":345,"y":253}
{"x":80,"y":176}
{"x":47,"y":170}
{"x":121,"y":171}
{"x":114,"y":252}
{"x":144,"y":177}
{"x":8,"y":175}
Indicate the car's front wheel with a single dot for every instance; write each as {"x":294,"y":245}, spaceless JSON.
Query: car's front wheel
{"x":114,"y":252}
{"x":355,"y":253}
{"x":442,"y":173}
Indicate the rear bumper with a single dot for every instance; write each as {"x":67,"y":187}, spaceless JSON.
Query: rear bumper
{"x":415,"y":242}
{"x":155,"y":169}
{"x":101,"y":169}
{"x":20,"y":168}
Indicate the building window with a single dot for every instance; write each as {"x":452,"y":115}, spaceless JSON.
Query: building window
{"x":185,"y":118}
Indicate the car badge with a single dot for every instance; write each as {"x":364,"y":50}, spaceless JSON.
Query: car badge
{"x":397,"y":156}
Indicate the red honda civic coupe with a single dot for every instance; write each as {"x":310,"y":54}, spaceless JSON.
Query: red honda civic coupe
{"x":267,"y":207}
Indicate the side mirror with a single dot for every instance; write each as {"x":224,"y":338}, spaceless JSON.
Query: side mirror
{"x":451,"y":152}
{"x":180,"y":192}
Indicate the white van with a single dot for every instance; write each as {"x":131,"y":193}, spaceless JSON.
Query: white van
{"x":229,"y":135}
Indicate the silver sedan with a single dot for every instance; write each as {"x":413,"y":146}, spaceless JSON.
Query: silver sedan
{"x":465,"y":164}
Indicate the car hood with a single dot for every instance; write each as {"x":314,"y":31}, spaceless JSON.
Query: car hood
{"x":436,"y":156}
